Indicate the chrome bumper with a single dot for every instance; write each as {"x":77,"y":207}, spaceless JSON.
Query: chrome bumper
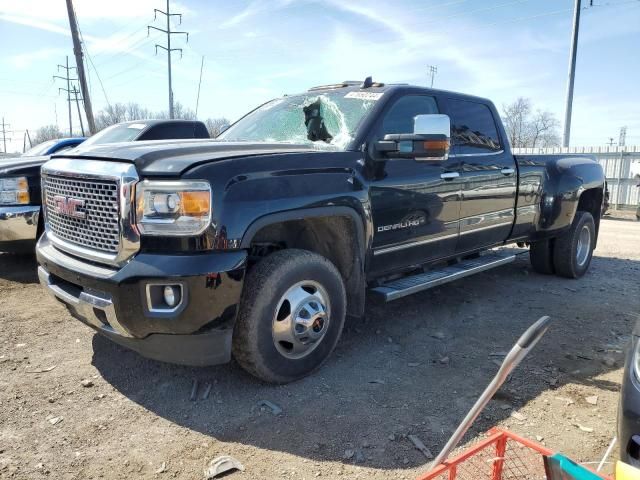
{"x":19,"y":223}
{"x":94,"y":309}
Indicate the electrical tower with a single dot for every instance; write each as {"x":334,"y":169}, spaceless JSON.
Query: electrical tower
{"x":168,"y":48}
{"x":622,"y":141}
{"x":68,"y":79}
{"x":433,"y":69}
{"x":4,"y":135}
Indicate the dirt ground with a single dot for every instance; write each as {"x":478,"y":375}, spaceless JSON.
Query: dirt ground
{"x":411,"y":367}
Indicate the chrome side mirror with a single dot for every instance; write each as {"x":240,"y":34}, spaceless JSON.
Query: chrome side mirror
{"x":430,"y":140}
{"x":435,"y":130}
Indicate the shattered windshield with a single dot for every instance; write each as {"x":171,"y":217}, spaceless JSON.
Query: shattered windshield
{"x":323,"y":119}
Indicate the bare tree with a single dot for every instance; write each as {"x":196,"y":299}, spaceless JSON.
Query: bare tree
{"x":121,"y":112}
{"x":543,"y":130}
{"x":527,"y":129}
{"x":515,"y":117}
{"x":48,"y":132}
{"x":216,"y":126}
{"x":179,"y":112}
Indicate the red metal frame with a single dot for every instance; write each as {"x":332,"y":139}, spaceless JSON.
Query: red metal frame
{"x":498,"y":438}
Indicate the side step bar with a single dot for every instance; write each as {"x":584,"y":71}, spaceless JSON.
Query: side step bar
{"x":423,"y":281}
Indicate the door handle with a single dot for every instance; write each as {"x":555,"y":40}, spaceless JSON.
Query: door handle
{"x":449,"y":175}
{"x":508,"y":171}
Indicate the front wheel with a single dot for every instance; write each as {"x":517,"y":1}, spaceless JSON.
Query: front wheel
{"x":573,"y":251}
{"x":291,"y":317}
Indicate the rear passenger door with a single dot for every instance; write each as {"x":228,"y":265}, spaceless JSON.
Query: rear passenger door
{"x":487,"y":173}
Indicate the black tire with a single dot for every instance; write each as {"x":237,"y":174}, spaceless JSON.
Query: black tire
{"x":566,"y":255}
{"x":254,"y":344}
{"x":541,"y":256}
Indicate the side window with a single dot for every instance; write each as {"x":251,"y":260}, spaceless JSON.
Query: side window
{"x":169,"y":131}
{"x":399,"y":118}
{"x":473,"y":128}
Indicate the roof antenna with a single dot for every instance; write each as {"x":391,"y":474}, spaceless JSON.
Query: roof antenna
{"x":368,"y":83}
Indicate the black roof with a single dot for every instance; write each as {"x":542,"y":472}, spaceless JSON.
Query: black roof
{"x":353,"y":86}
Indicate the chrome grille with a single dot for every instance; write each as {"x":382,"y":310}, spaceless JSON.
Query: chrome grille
{"x":99,"y":228}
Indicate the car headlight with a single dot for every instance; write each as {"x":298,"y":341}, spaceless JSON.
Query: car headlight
{"x":14,"y":191}
{"x":173,"y":208}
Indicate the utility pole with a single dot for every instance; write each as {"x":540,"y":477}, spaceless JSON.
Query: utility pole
{"x":168,"y":48}
{"x":572,"y":73}
{"x":75,"y":93}
{"x":611,"y":142}
{"x":67,"y":78}
{"x":77,"y":51}
{"x":4,"y":135}
{"x":433,"y":69}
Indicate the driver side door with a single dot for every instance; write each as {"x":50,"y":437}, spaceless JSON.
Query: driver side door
{"x":415,"y":203}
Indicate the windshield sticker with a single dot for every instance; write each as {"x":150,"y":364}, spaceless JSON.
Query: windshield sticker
{"x":137,"y":126}
{"x":364,"y":95}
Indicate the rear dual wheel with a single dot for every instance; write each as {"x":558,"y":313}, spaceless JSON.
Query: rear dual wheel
{"x":570,"y":254}
{"x":291,"y":317}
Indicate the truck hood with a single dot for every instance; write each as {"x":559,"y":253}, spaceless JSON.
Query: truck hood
{"x":9,"y":166}
{"x":172,"y":158}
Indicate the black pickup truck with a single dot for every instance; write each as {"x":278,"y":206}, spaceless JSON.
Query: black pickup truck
{"x":20,"y":205}
{"x":260,"y":243}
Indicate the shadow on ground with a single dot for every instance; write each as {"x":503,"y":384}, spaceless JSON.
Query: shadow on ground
{"x":411,"y":367}
{"x":20,"y":268}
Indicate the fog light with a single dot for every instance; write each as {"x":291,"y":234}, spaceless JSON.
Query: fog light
{"x":171,"y":296}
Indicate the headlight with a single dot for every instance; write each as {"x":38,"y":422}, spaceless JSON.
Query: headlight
{"x":14,"y":191}
{"x":167,"y":208}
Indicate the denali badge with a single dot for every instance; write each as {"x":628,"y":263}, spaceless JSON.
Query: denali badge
{"x":68,"y":206}
{"x":404,"y":224}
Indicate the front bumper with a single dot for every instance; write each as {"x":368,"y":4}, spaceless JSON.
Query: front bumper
{"x":116,"y":303}
{"x":629,"y":413}
{"x":18,"y":228}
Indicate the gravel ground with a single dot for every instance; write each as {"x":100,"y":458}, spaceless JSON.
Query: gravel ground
{"x":75,"y":406}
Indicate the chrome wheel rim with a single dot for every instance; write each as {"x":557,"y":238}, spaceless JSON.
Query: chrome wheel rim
{"x":584,"y":246}
{"x":301,"y":319}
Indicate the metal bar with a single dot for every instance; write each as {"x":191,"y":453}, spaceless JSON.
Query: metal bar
{"x":498,"y":464}
{"x":517,"y":353}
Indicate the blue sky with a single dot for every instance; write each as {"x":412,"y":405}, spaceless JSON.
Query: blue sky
{"x":259,"y":49}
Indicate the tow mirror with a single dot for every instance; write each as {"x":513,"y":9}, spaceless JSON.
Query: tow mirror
{"x":429,"y":141}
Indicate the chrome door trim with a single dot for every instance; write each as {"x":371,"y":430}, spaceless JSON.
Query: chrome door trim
{"x":449,"y":175}
{"x":396,"y":248}
{"x":483,"y":154}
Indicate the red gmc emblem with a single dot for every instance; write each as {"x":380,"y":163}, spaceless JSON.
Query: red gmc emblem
{"x":68,"y":206}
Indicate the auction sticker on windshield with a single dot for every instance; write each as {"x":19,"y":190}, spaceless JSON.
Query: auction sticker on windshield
{"x":364,"y":95}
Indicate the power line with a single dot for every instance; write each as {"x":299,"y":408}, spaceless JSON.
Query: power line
{"x":168,"y":48}
{"x":94,"y":67}
{"x":199,"y":84}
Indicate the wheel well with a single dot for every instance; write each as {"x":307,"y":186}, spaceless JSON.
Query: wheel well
{"x":334,"y":237}
{"x":591,"y":201}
